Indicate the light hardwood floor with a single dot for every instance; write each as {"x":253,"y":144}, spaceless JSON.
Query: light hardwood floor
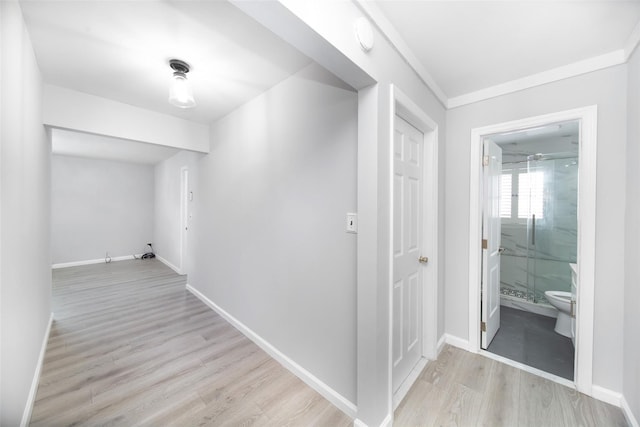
{"x":466,"y":389}
{"x":130,"y":346}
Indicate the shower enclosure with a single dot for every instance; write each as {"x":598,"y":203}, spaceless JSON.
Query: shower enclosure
{"x":539,"y":225}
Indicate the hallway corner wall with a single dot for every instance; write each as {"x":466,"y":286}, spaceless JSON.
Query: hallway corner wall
{"x":269,"y":243}
{"x":631,"y":337}
{"x":25,"y":260}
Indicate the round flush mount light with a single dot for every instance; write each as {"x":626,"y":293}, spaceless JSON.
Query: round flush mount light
{"x":180,"y":91}
{"x":364,"y":33}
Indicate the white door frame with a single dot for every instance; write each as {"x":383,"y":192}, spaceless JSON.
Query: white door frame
{"x":184,"y":216}
{"x":586,"y":231}
{"x":404,"y":107}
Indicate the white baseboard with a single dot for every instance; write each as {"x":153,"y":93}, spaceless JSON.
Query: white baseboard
{"x":312,"y":381}
{"x":94,"y":261}
{"x":441,"y":342}
{"x":385,"y":423}
{"x":168,"y":264}
{"x":26,"y":415}
{"x":457,"y":342}
{"x":606,"y":395}
{"x":404,"y":388}
{"x":628,"y":414}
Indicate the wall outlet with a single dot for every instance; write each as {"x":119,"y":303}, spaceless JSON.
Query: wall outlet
{"x":352,"y":223}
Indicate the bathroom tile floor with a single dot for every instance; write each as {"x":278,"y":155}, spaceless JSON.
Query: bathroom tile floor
{"x":529,"y":338}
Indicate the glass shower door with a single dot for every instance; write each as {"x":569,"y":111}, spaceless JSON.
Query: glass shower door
{"x":532,"y":184}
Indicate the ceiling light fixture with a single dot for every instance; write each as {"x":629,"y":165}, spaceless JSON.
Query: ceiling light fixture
{"x":180,"y":92}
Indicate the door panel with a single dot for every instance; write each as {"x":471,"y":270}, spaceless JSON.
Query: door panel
{"x":491,"y":249}
{"x":407,"y":242}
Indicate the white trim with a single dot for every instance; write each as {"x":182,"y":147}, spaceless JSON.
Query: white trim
{"x":586,"y":231}
{"x":184,"y":218}
{"x":441,"y":342}
{"x":632,"y":42}
{"x":373,"y":12}
{"x":628,"y":413}
{"x":385,"y":423}
{"x":168,"y":264}
{"x":604,"y":394}
{"x":556,"y":74}
{"x":458,"y":342}
{"x":530,"y":369}
{"x":404,"y":388}
{"x":403,"y":106}
{"x":31,"y":399}
{"x":588,"y":65}
{"x":95,"y":261}
{"x":311,"y":380}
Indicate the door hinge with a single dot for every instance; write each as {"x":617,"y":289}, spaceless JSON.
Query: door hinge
{"x":485,"y":161}
{"x":483,"y":326}
{"x":485,"y":244}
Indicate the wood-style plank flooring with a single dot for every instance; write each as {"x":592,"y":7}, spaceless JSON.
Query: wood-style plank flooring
{"x":130,"y":346}
{"x":466,"y":389}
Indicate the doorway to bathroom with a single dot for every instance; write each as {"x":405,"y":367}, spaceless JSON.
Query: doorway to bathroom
{"x":533,"y":223}
{"x":536,"y":176}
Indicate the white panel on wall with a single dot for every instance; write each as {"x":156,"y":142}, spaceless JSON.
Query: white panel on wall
{"x":100,"y":206}
{"x":270,"y":245}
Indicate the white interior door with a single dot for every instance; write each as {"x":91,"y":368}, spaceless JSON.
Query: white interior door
{"x":407,"y":244}
{"x":492,"y":169}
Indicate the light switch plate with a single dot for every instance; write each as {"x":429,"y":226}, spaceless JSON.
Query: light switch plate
{"x":352,"y":222}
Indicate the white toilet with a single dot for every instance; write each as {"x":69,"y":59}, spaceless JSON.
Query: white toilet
{"x":561,"y":301}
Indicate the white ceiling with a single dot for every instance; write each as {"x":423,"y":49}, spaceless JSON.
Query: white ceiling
{"x":467,"y":46}
{"x":79,"y":144}
{"x":120,"y":50}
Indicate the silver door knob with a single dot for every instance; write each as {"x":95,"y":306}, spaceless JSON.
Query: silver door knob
{"x":423,"y":259}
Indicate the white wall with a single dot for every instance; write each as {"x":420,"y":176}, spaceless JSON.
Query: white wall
{"x":607,"y":89}
{"x":25,"y":276}
{"x":167,"y":220}
{"x":324,"y":32}
{"x":631,"y":338}
{"x":269,"y":240}
{"x":100,"y":206}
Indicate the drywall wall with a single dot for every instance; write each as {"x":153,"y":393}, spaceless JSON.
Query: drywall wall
{"x":99,"y":206}
{"x":69,"y":109}
{"x":631,"y":338}
{"x":25,"y":275}
{"x":167,"y":230}
{"x":324,"y":32}
{"x":607,"y":89}
{"x":269,"y":240}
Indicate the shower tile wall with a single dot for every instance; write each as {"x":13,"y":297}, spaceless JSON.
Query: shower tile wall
{"x":547,"y":267}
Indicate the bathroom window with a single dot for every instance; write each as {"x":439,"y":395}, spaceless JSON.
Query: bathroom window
{"x":521,"y":194}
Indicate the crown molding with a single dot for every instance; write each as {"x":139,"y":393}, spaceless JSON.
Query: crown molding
{"x":632,"y":42}
{"x":572,"y":70}
{"x":390,"y":33}
{"x":589,"y":65}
